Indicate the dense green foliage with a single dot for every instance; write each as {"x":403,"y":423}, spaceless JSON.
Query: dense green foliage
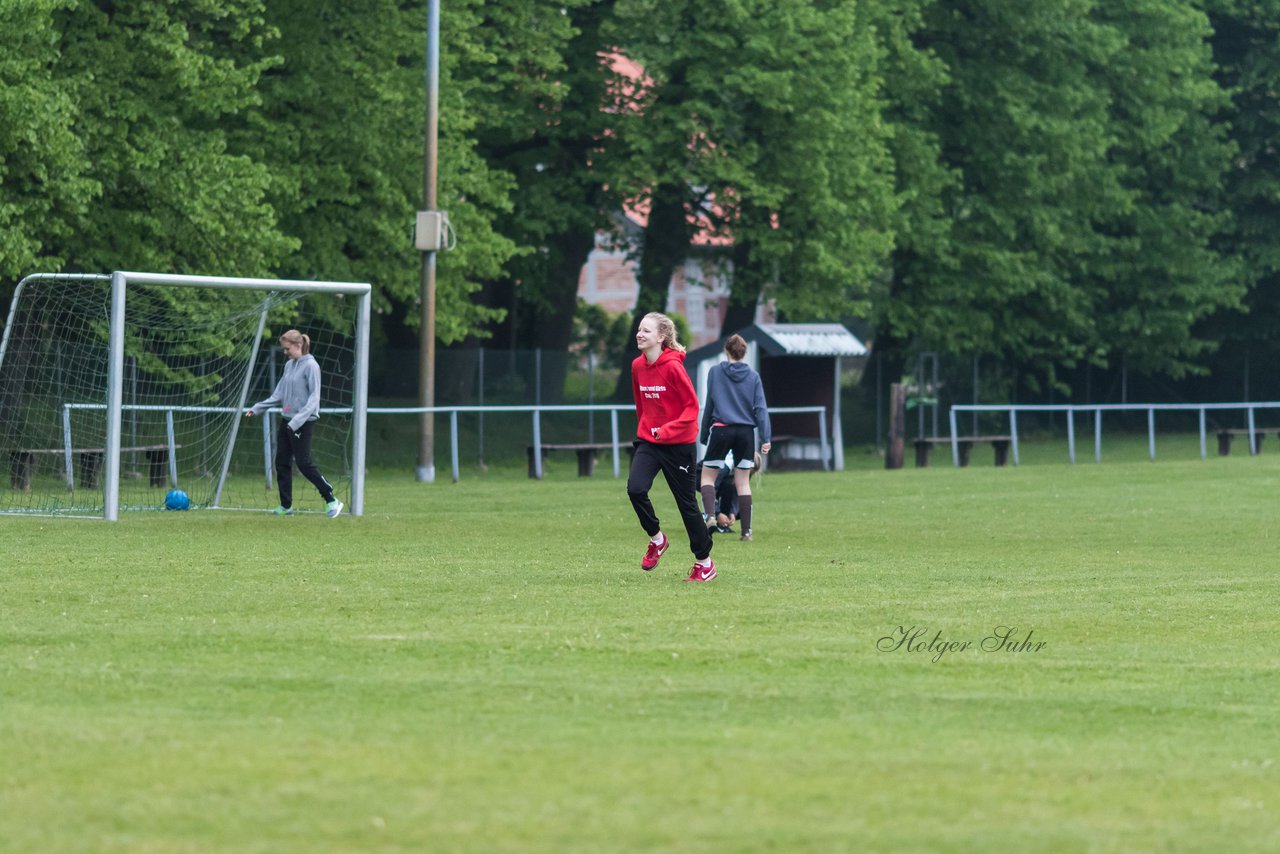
{"x":1086,"y":191}
{"x":1244,"y":41}
{"x":1079,"y":183}
{"x":41,"y":157}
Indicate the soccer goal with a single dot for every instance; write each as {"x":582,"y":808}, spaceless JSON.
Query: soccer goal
{"x":116,"y":388}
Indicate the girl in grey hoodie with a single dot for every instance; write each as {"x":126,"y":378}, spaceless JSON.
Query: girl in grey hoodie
{"x":734,"y":410}
{"x":298,"y":396}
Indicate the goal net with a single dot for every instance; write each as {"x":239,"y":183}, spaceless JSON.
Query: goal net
{"x":115,"y":389}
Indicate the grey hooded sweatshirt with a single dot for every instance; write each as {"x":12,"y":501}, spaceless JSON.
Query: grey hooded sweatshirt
{"x":735,"y":395}
{"x":297,"y":394}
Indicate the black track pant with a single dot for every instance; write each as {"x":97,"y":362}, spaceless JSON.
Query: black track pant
{"x":678,"y":463}
{"x":296,"y":447}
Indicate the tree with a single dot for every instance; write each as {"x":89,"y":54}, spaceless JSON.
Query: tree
{"x":542,"y":122}
{"x":758,"y":122}
{"x":914,"y":80}
{"x":44,"y":168}
{"x":1077,"y":224}
{"x":341,"y":127}
{"x":1027,"y":135}
{"x":808,"y":198}
{"x":152,"y":85}
{"x":1157,"y":272}
{"x":1247,"y":63}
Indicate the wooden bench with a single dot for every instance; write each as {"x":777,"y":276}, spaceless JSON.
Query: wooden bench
{"x":1226,"y":435}
{"x":777,"y":458}
{"x":22,"y":463}
{"x":964,"y":445}
{"x":777,"y":451}
{"x":587,"y":453}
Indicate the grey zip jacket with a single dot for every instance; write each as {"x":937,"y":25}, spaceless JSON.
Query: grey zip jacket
{"x":297,"y":394}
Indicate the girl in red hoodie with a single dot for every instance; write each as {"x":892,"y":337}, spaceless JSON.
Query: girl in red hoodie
{"x":666,"y":441}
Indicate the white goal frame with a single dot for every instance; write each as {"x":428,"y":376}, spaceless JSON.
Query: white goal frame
{"x":120,"y":282}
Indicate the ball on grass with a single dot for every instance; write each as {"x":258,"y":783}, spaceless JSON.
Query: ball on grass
{"x":176,"y":499}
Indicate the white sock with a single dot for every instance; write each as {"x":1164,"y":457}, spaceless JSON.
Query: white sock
{"x":706,"y":561}
{"x":657,"y":538}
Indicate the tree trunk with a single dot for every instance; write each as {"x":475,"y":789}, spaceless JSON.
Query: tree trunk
{"x":896,"y":449}
{"x":555,"y":330}
{"x":738,"y":317}
{"x":462,"y":382}
{"x":666,"y":245}
{"x":746,"y":285}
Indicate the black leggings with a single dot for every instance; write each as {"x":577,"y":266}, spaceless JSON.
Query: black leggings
{"x":296,"y":447}
{"x":678,"y":463}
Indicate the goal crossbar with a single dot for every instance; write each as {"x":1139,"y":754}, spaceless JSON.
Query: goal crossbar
{"x":120,"y":283}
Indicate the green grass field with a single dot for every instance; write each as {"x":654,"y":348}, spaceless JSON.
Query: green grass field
{"x":482,"y":666}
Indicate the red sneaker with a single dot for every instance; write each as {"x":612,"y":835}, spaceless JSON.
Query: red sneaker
{"x":654,"y":553}
{"x":702,"y":573}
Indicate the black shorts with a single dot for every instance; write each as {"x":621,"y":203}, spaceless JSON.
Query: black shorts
{"x":738,"y":439}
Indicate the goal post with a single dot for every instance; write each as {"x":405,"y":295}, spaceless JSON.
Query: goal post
{"x":103,"y":369}
{"x":243,"y":402}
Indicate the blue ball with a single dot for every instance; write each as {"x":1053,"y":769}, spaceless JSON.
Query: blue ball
{"x":177,"y":500}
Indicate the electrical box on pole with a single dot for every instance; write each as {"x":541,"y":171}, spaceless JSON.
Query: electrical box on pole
{"x":430,"y":231}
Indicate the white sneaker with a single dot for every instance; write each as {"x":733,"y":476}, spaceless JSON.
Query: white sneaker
{"x":333,"y":508}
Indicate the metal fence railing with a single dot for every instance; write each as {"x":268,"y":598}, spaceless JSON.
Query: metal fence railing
{"x":1012,"y":410}
{"x":615,"y":443}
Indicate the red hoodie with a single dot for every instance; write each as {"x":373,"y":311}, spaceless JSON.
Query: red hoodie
{"x":664,"y":399}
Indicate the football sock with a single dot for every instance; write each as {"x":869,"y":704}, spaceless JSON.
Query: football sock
{"x":706,"y":561}
{"x":657,"y":539}
{"x":709,"y":500}
{"x":744,"y":504}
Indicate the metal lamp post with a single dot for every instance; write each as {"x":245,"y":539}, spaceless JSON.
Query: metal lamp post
{"x":428,"y":239}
